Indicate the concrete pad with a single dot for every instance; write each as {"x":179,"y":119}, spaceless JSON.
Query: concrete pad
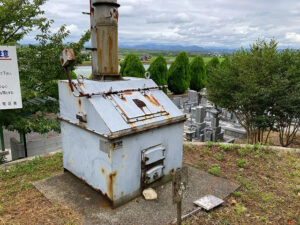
{"x":68,"y":190}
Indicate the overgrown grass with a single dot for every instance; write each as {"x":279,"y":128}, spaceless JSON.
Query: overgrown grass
{"x":268,"y":193}
{"x":16,"y":190}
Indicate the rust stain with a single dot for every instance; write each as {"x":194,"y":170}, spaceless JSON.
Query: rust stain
{"x":81,"y":84}
{"x":171,"y":172}
{"x":69,"y":90}
{"x":123,"y":156}
{"x":103,"y":171}
{"x":127,"y":93}
{"x":79,"y":102}
{"x":133,"y":125}
{"x":140,"y":104}
{"x":110,"y":54}
{"x":152,"y":100}
{"x":169,"y":117}
{"x":110,"y":184}
{"x":99,"y":52}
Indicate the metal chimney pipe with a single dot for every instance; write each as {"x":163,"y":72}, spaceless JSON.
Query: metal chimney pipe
{"x":104,"y":27}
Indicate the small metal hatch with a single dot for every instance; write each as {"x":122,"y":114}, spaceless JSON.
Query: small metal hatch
{"x":136,"y":106}
{"x":152,"y":164}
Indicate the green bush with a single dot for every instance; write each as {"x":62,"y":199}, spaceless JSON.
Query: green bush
{"x":198,"y":74}
{"x":179,"y":74}
{"x":159,"y":70}
{"x":132,"y":67}
{"x":213,"y":64}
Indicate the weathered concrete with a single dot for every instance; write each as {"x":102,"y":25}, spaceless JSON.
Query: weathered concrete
{"x":68,"y":190}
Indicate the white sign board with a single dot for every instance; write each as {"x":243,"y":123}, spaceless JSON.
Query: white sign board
{"x":10,"y":91}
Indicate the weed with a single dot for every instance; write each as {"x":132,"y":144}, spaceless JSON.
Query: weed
{"x":237,"y":194}
{"x":244,"y":182}
{"x":1,"y":210}
{"x":266,"y":197}
{"x":241,"y":162}
{"x":219,"y":157}
{"x":262,"y":218}
{"x":240,"y":209}
{"x":209,"y":144}
{"x":242,"y":152}
{"x":225,"y":147}
{"x":257,"y":146}
{"x":198,"y":165}
{"x":215,"y":170}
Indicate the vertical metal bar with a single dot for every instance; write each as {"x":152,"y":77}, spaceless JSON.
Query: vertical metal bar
{"x":179,"y":213}
{"x":2,"y":138}
{"x":25,"y":145}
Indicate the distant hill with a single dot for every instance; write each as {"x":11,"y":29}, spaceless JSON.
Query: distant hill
{"x":152,"y":47}
{"x":163,"y":47}
{"x":166,"y":47}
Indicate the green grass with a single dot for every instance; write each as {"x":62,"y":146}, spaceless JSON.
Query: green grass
{"x":215,"y":170}
{"x":268,"y":180}
{"x":241,"y":162}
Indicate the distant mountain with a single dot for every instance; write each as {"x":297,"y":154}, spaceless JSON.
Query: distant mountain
{"x":166,"y":47}
{"x":151,"y":46}
{"x":175,"y":48}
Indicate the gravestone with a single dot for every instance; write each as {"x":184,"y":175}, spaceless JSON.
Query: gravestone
{"x":193,"y":97}
{"x":178,"y":102}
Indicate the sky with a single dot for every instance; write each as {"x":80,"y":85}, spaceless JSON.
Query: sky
{"x":205,"y":23}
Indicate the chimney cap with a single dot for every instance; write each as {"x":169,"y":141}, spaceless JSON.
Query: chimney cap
{"x":106,"y":2}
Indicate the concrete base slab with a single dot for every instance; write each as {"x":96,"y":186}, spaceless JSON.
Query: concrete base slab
{"x":68,"y":190}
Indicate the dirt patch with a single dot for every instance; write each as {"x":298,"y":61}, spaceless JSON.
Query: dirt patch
{"x":21,"y":203}
{"x":30,"y":207}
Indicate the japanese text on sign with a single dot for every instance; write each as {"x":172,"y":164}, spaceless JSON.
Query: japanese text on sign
{"x":10,"y":92}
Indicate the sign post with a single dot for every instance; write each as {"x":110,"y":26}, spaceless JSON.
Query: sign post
{"x":180,"y":181}
{"x":10,"y":91}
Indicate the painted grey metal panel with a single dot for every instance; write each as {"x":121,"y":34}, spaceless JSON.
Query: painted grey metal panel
{"x":126,"y":162}
{"x":83,"y":157}
{"x":70,"y":106}
{"x":158,"y":108}
{"x":135,"y":106}
{"x":153,"y":154}
{"x":154,"y":174}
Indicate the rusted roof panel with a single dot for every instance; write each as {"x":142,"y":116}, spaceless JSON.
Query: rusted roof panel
{"x":126,"y":111}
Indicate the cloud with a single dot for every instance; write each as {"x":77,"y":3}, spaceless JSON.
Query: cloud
{"x":229,"y":23}
{"x":294,"y":37}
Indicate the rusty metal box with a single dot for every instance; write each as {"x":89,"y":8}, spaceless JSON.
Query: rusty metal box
{"x":120,"y":136}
